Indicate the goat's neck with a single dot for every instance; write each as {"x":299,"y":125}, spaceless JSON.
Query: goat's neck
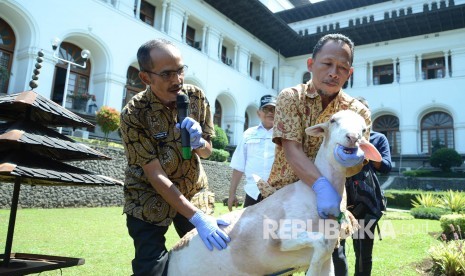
{"x":329,"y":168}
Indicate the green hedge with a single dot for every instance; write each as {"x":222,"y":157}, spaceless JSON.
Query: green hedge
{"x":426,"y":173}
{"x":219,"y":155}
{"x":403,"y":198}
{"x":428,"y":212}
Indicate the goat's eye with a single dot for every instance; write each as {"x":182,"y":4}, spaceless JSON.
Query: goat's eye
{"x":332,"y":120}
{"x":364,"y":130}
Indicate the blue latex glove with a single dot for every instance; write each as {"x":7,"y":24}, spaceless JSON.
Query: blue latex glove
{"x":195,"y":132}
{"x":328,"y":201}
{"x":209,"y":231}
{"x":348,"y":157}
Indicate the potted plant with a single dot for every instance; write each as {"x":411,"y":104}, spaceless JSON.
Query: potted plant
{"x":108,"y":120}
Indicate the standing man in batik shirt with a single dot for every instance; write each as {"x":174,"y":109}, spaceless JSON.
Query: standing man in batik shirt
{"x":159,"y":183}
{"x":308,"y":104}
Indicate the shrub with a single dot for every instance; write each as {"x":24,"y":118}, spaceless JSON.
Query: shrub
{"x":452,"y":219}
{"x":417,"y":173}
{"x":436,"y":144}
{"x":108,"y":120}
{"x":448,"y":258}
{"x":454,"y":201}
{"x":425,"y":200}
{"x":445,"y":159}
{"x":219,"y":155}
{"x":428,"y":212}
{"x":220,"y":141}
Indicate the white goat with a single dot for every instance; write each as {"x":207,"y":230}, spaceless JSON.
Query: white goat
{"x":282,"y":232}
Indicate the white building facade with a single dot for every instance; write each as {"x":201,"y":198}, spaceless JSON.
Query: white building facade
{"x":415,"y":84}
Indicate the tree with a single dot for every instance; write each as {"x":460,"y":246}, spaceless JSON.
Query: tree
{"x":445,"y":158}
{"x":220,"y":141}
{"x":436,"y":144}
{"x":108,"y":120}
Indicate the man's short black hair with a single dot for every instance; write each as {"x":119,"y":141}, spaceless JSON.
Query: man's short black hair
{"x":143,"y":54}
{"x":334,"y":37}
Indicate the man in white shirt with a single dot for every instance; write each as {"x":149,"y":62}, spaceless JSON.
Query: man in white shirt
{"x":254,"y":155}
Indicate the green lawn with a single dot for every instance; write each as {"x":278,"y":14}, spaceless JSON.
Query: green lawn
{"x":99,"y":236}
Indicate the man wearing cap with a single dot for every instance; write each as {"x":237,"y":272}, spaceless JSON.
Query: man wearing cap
{"x":254,"y":154}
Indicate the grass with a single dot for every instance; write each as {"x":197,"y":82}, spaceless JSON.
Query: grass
{"x":99,"y":235}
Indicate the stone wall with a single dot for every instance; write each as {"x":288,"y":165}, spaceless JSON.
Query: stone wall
{"x":219,"y":175}
{"x":427,"y":183}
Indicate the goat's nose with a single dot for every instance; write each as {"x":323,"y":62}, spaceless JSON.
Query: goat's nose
{"x":353,"y":137}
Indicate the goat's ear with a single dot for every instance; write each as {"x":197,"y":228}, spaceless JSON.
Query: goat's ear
{"x":370,"y":151}
{"x":317,"y":130}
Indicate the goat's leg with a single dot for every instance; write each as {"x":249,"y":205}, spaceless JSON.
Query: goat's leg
{"x":315,"y":240}
{"x":320,"y":263}
{"x":328,"y":267}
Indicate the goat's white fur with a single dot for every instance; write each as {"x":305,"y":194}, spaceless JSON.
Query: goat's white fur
{"x":249,"y":253}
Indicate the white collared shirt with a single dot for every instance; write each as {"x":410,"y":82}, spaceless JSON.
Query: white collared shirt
{"x":254,"y":155}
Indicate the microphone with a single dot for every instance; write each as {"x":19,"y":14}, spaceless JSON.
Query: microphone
{"x":182,"y":104}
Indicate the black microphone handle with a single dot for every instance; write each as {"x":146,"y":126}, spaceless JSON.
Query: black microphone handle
{"x":183,"y":112}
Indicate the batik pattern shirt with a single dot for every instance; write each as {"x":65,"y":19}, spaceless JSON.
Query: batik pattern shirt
{"x":297,"y":108}
{"x":149,"y":133}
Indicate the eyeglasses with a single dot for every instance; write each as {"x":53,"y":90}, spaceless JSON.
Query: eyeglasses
{"x":268,"y":109}
{"x":168,"y":75}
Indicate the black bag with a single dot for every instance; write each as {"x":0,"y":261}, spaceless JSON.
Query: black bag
{"x":365,"y":200}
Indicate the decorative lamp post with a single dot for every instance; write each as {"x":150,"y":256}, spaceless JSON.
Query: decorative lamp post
{"x":85,"y":54}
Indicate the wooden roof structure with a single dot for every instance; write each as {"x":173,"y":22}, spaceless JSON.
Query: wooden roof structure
{"x":32,"y":152}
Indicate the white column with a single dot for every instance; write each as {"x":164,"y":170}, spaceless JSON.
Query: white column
{"x":184,"y":27}
{"x":287,"y":74}
{"x":236,"y":124}
{"x":458,"y":62}
{"x":220,"y":46}
{"x":212,"y":43}
{"x":420,"y":72}
{"x":163,"y":16}
{"x":394,"y":73}
{"x":108,"y":89}
{"x":407,"y":68}
{"x":459,"y":131}
{"x":370,"y":73}
{"x":236,"y":56}
{"x":204,"y":38}
{"x":175,"y":19}
{"x":243,"y":56}
{"x":137,"y":15}
{"x":446,"y":61}
{"x":249,"y":58}
{"x":408,"y":138}
{"x":262,"y":68}
{"x":360,"y":74}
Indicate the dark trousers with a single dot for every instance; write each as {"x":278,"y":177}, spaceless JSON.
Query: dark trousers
{"x":250,"y":201}
{"x":151,"y":255}
{"x":363,"y":248}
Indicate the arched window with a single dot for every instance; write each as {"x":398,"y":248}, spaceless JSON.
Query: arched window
{"x":437,"y":128}
{"x":134,"y":84}
{"x":306,"y":77}
{"x":78,"y":80}
{"x":7,"y":47}
{"x":389,"y":126}
{"x":246,"y":122}
{"x":218,"y":114}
